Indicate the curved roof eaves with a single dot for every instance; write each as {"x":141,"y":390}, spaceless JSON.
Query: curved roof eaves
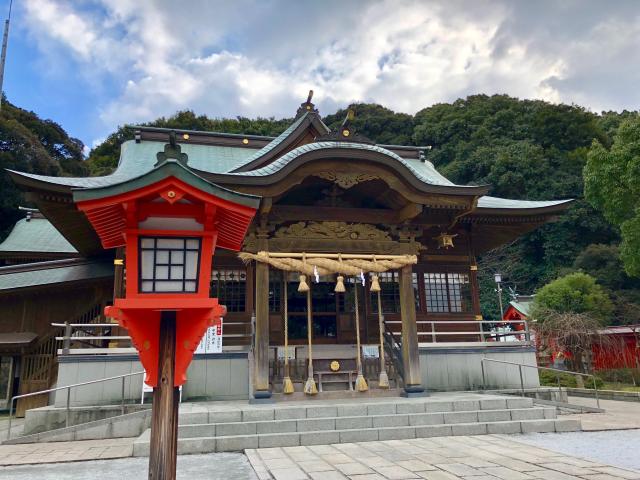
{"x":424,"y":171}
{"x":273,"y":144}
{"x":506,"y":203}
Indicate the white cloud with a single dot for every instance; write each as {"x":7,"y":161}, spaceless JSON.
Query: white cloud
{"x":259,"y":58}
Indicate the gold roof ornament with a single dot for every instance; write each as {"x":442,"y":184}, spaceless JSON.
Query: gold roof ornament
{"x":445,"y":240}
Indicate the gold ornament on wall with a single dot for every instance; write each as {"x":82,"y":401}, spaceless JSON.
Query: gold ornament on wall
{"x":346,"y":180}
{"x":445,"y":240}
{"x":334,"y":366}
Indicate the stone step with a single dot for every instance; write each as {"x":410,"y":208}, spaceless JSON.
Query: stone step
{"x":321,"y":437}
{"x":252,"y":413}
{"x":362,"y":422}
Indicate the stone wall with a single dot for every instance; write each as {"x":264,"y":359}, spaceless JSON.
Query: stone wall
{"x":223,"y":376}
{"x":451,"y":368}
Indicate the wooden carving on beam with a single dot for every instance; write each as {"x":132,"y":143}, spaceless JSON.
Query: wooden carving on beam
{"x":346,"y":180}
{"x":333,"y":230}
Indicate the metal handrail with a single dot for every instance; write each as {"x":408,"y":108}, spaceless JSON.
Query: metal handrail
{"x":394,"y":349}
{"x":520,"y":365}
{"x":68,"y":388}
{"x":484,"y":334}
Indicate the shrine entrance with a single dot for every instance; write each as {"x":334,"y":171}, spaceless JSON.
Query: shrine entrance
{"x":327,"y":306}
{"x":322,"y":297}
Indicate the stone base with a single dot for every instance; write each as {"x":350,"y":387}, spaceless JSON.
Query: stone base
{"x":414,"y":391}
{"x":261,"y":397}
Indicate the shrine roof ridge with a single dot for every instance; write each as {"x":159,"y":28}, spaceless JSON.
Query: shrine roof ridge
{"x":207,"y":133}
{"x":423,"y":171}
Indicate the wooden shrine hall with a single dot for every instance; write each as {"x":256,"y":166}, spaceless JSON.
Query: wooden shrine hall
{"x":361,"y":257}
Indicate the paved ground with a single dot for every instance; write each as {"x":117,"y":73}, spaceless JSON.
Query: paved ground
{"x":65,"y":451}
{"x":618,"y":448}
{"x":17,"y":425}
{"x":482,"y":458}
{"x":617,"y":416}
{"x":486,"y":457}
{"x":218,"y":466}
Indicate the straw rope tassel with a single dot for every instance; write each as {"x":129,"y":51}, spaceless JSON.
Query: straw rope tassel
{"x":361,"y":383}
{"x":310,"y":385}
{"x":287,"y":384}
{"x":383,"y":379}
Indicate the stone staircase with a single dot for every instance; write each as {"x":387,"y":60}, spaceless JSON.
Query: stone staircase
{"x":226,"y":428}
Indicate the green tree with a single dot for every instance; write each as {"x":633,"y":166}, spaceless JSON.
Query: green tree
{"x":612,"y":185}
{"x":568,"y":313}
{"x":30,"y":144}
{"x":574,"y":293}
{"x":603,"y":263}
{"x":103,"y":159}
{"x":376,"y":122}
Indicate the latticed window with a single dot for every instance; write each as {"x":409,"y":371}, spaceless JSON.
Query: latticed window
{"x":229,"y":286}
{"x":447,"y":292}
{"x":275,"y":290}
{"x":390,"y":292}
{"x":169,"y":265}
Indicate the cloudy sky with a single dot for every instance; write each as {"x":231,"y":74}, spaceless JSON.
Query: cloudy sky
{"x":94,"y":64}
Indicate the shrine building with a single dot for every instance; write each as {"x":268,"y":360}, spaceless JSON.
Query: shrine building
{"x":344,"y":227}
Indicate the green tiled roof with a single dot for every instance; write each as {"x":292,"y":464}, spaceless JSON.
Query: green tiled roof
{"x":36,"y":235}
{"x":167,"y":168}
{"x":495,"y":202}
{"x":424,"y":171}
{"x":136,"y":159}
{"x":523,"y":306}
{"x":272,"y":144}
{"x":55,"y":272}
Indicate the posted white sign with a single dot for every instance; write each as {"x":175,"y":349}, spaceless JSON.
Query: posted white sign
{"x":212,"y":340}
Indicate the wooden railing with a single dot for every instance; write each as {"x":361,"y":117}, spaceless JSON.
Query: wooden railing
{"x":39,"y":366}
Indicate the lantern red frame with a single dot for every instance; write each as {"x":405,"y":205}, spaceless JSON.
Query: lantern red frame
{"x":170,"y":191}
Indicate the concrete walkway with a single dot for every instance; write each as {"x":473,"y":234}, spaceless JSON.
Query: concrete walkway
{"x":617,"y":416}
{"x":17,"y":426}
{"x":486,"y":457}
{"x":219,"y":466}
{"x":34,"y":453}
{"x":614,"y":447}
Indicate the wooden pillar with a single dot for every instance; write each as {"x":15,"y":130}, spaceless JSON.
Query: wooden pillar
{"x":261,"y":348}
{"x":118,"y":292}
{"x":410,"y":356}
{"x":164,"y":416}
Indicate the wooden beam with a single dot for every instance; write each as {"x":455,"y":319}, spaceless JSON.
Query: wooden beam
{"x":286,"y":213}
{"x":266,"y":204}
{"x":408,"y":212}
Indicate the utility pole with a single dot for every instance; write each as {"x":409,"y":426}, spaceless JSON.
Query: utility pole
{"x":3,"y":56}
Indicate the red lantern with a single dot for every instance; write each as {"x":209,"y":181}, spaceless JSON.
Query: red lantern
{"x":170,"y":222}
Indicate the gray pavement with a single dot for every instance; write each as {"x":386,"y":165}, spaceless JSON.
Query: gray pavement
{"x":485,"y":457}
{"x":215,"y":466}
{"x":618,"y":415}
{"x":619,"y":448}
